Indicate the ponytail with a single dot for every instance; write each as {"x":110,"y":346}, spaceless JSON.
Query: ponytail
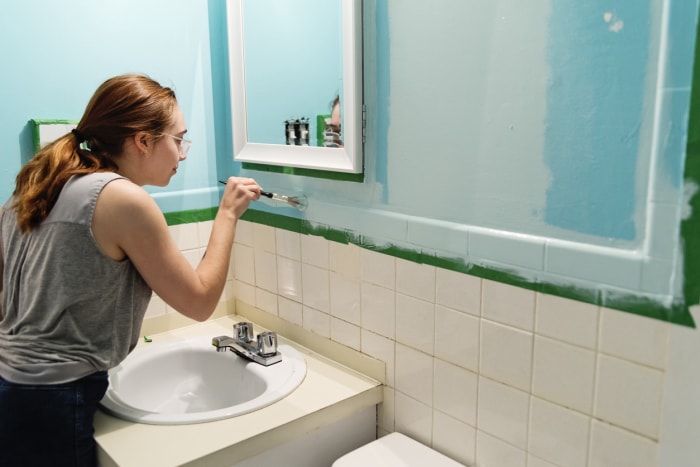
{"x":121,"y":107}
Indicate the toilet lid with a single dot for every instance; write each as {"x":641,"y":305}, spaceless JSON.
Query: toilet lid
{"x":395,"y":450}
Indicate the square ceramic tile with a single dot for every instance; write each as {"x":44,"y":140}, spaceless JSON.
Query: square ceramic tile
{"x":156,"y":307}
{"x":379,"y":310}
{"x":458,"y":291}
{"x":288,"y":244}
{"x":557,"y":434}
{"x":413,"y":418}
{"x":244,"y":292}
{"x":681,"y":405}
{"x":414,"y":374}
{"x":454,"y":439}
{"x":457,"y":337}
{"x":415,"y":323}
{"x":264,"y":238}
{"x":503,"y":412}
{"x":204,"y":232}
{"x":316,"y":287}
{"x":229,"y":292}
{"x":633,"y":337}
{"x":345,"y":259}
{"x":503,"y":247}
{"x":382,"y":349}
{"x":506,"y":354}
{"x":508,"y":304}
{"x":629,"y":395}
{"x":345,"y":333}
{"x":613,"y":446}
{"x":244,"y":233}
{"x":416,"y":280}
{"x":266,"y":301}
{"x":454,"y":237}
{"x":534,"y":461}
{"x":567,"y":320}
{"x":194,"y":257}
{"x":378,"y":268}
{"x":266,"y":270}
{"x":185,"y":236}
{"x":600,"y":267}
{"x":455,"y":392}
{"x":564,"y":374}
{"x":345,"y":298}
{"x":314,"y":251}
{"x":291,"y":311}
{"x":316,"y":321}
{"x":231,"y":274}
{"x":493,"y":452}
{"x":244,"y":263}
{"x":289,"y":279}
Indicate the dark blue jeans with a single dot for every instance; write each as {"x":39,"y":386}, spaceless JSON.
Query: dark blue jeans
{"x":49,"y":425}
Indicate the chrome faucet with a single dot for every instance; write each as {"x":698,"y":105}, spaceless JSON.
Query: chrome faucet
{"x":262,"y":349}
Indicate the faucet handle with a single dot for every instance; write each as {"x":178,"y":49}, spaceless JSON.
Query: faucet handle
{"x":267,"y":343}
{"x":243,"y":331}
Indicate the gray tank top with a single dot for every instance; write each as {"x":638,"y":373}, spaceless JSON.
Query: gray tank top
{"x":68,"y":309}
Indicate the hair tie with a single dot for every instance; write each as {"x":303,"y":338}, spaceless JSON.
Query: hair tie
{"x":78,"y":135}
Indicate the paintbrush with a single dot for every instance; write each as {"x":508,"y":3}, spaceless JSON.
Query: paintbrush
{"x":298,"y":202}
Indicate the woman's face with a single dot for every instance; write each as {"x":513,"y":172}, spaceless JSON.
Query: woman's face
{"x":168,"y":150}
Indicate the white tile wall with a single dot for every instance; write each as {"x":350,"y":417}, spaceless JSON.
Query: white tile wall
{"x":487,"y":373}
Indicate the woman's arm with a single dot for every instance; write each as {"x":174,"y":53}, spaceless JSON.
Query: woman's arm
{"x":128,"y":223}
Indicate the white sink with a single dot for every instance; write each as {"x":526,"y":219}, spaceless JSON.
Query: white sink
{"x":188,"y":381}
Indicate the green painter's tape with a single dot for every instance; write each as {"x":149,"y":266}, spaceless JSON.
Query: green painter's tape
{"x":187,"y":217}
{"x":676,"y":313}
{"x":38,"y":122}
{"x":690,"y":227}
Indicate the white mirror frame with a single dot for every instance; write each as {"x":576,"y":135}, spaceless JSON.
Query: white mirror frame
{"x":346,"y":159}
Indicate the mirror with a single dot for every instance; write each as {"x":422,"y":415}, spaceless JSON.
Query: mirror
{"x":288,"y":63}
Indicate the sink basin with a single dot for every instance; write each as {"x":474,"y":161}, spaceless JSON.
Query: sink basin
{"x":188,"y":381}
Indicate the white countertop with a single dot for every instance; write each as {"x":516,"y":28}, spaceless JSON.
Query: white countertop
{"x":329,"y":393}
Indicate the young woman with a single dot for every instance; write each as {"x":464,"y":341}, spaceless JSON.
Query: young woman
{"x":82,"y":245}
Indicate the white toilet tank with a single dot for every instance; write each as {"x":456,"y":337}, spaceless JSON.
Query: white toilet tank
{"x":395,"y":450}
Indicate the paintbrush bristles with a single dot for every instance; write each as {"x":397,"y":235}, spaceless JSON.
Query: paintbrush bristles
{"x":299,"y":202}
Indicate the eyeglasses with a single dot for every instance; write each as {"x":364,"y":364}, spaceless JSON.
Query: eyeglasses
{"x":184,"y":145}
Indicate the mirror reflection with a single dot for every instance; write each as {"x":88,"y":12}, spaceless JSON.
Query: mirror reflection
{"x":293,"y":70}
{"x":296,"y":83}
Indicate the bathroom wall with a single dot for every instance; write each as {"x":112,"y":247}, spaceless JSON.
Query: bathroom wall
{"x":541,"y":144}
{"x":55,"y":54}
{"x":487,"y":373}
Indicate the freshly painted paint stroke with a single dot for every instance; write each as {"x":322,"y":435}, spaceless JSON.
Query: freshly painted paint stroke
{"x":598,"y":106}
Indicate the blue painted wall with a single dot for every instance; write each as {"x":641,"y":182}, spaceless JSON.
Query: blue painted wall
{"x":494,"y":129}
{"x":55,"y":54}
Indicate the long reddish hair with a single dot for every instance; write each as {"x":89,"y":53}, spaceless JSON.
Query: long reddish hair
{"x":121,"y":107}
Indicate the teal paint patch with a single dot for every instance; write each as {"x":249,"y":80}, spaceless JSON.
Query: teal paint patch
{"x":220,"y":79}
{"x":599,"y":60}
